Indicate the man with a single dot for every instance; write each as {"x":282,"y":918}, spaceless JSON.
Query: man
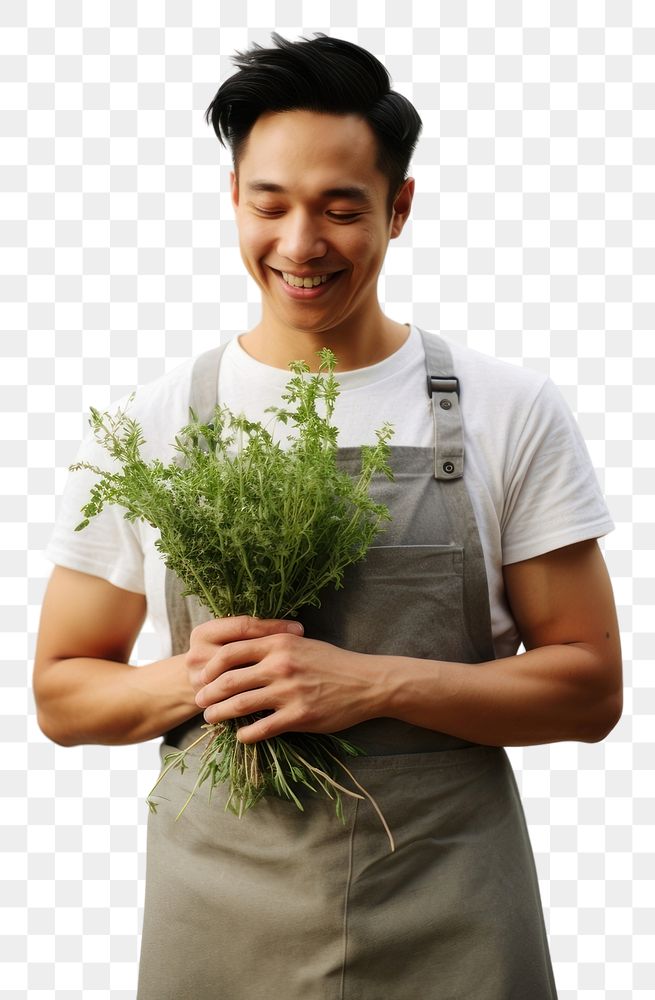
{"x":495,"y":516}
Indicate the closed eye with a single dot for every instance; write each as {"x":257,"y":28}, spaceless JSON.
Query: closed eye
{"x":336,"y":216}
{"x":344,"y":216}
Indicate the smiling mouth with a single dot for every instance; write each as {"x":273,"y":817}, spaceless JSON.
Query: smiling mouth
{"x":309,"y":281}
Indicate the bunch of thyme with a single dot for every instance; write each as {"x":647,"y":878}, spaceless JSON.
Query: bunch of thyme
{"x":251,"y":527}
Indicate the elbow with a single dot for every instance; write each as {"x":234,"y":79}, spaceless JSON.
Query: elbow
{"x":52,"y":716}
{"x":49,"y":718}
{"x":606,"y":718}
{"x":52,"y":731}
{"x":603,"y":698}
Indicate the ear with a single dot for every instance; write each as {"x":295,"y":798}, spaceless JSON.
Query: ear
{"x":234,"y":189}
{"x":401,"y":208}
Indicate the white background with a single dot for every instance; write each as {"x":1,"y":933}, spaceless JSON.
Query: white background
{"x":532,"y":239}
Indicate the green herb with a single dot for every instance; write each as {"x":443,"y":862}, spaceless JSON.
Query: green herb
{"x":251,"y":527}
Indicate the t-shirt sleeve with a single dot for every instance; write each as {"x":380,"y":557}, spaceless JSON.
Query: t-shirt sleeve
{"x":109,"y":547}
{"x":120,"y":551}
{"x":552,"y":495}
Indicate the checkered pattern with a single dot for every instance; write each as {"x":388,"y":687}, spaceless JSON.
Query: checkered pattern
{"x":532,"y":239}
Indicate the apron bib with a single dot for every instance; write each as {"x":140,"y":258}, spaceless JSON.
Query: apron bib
{"x":297,"y":905}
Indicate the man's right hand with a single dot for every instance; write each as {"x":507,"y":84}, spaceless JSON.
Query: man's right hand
{"x":211,"y":636}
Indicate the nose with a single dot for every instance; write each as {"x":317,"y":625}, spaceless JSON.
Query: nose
{"x":300,"y":238}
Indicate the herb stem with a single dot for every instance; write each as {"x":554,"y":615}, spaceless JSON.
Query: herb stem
{"x":251,"y":527}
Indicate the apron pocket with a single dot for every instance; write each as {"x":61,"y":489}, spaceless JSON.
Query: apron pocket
{"x":401,"y":600}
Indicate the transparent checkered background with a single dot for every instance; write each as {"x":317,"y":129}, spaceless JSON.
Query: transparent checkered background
{"x":532,"y":239}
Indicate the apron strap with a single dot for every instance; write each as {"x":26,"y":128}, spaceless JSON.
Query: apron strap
{"x":202,"y":400}
{"x":443,"y":389}
{"x":204,"y":382}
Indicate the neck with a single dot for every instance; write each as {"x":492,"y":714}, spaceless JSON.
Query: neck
{"x":358,"y":346}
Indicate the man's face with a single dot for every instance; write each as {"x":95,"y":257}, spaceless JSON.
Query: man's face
{"x":311,"y":210}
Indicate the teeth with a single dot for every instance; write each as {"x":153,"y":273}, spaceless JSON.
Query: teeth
{"x":297,"y":282}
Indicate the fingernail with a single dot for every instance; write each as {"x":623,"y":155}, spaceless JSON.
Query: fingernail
{"x":295,"y":627}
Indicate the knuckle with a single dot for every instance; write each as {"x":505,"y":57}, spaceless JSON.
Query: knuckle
{"x":195,"y":633}
{"x":283,"y":643}
{"x":195,"y":638}
{"x":310,"y":714}
{"x":201,"y":642}
{"x":204,"y":631}
{"x":194,"y":658}
{"x":240,"y":705}
{"x":228,"y":682}
{"x":245,"y":625}
{"x":283,"y":667}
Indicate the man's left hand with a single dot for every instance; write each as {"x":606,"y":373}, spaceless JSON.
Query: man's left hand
{"x":306,"y":685}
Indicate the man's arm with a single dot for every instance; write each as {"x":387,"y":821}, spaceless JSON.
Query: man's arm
{"x":566,"y":686}
{"x":84,"y":687}
{"x":568,"y":683}
{"x":85,"y":690}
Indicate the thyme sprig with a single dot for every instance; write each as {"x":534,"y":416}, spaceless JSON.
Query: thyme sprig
{"x":252,"y":527}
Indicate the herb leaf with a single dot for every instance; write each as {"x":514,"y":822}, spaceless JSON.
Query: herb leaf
{"x":251,"y":527}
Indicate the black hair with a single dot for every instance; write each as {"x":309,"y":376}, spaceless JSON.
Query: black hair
{"x":321,"y":74}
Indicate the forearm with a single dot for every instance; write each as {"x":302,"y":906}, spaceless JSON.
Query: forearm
{"x":85,"y":700}
{"x":546,"y":695}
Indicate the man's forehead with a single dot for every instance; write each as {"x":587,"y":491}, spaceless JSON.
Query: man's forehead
{"x":290,"y":132}
{"x":322,"y":153}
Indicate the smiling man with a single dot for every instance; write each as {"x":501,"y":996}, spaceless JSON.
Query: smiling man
{"x":314,"y":224}
{"x":492,"y":543}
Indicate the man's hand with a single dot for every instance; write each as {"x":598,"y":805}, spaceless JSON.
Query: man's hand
{"x":208,"y":639}
{"x":240,"y":666}
{"x":566,"y":686}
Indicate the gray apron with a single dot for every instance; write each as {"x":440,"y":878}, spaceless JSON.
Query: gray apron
{"x":297,"y":905}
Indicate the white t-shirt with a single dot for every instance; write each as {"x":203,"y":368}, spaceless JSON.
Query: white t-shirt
{"x":527,"y":469}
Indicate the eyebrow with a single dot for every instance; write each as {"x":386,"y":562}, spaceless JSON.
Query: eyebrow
{"x":351,"y":192}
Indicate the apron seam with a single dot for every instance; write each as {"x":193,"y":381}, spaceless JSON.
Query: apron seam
{"x":346,"y":901}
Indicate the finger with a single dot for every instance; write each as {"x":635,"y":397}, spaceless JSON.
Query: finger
{"x":223,"y":630}
{"x":228,"y":683}
{"x":240,"y":653}
{"x":266,"y":728}
{"x":248,"y":652}
{"x":208,"y":639}
{"x":247,"y":703}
